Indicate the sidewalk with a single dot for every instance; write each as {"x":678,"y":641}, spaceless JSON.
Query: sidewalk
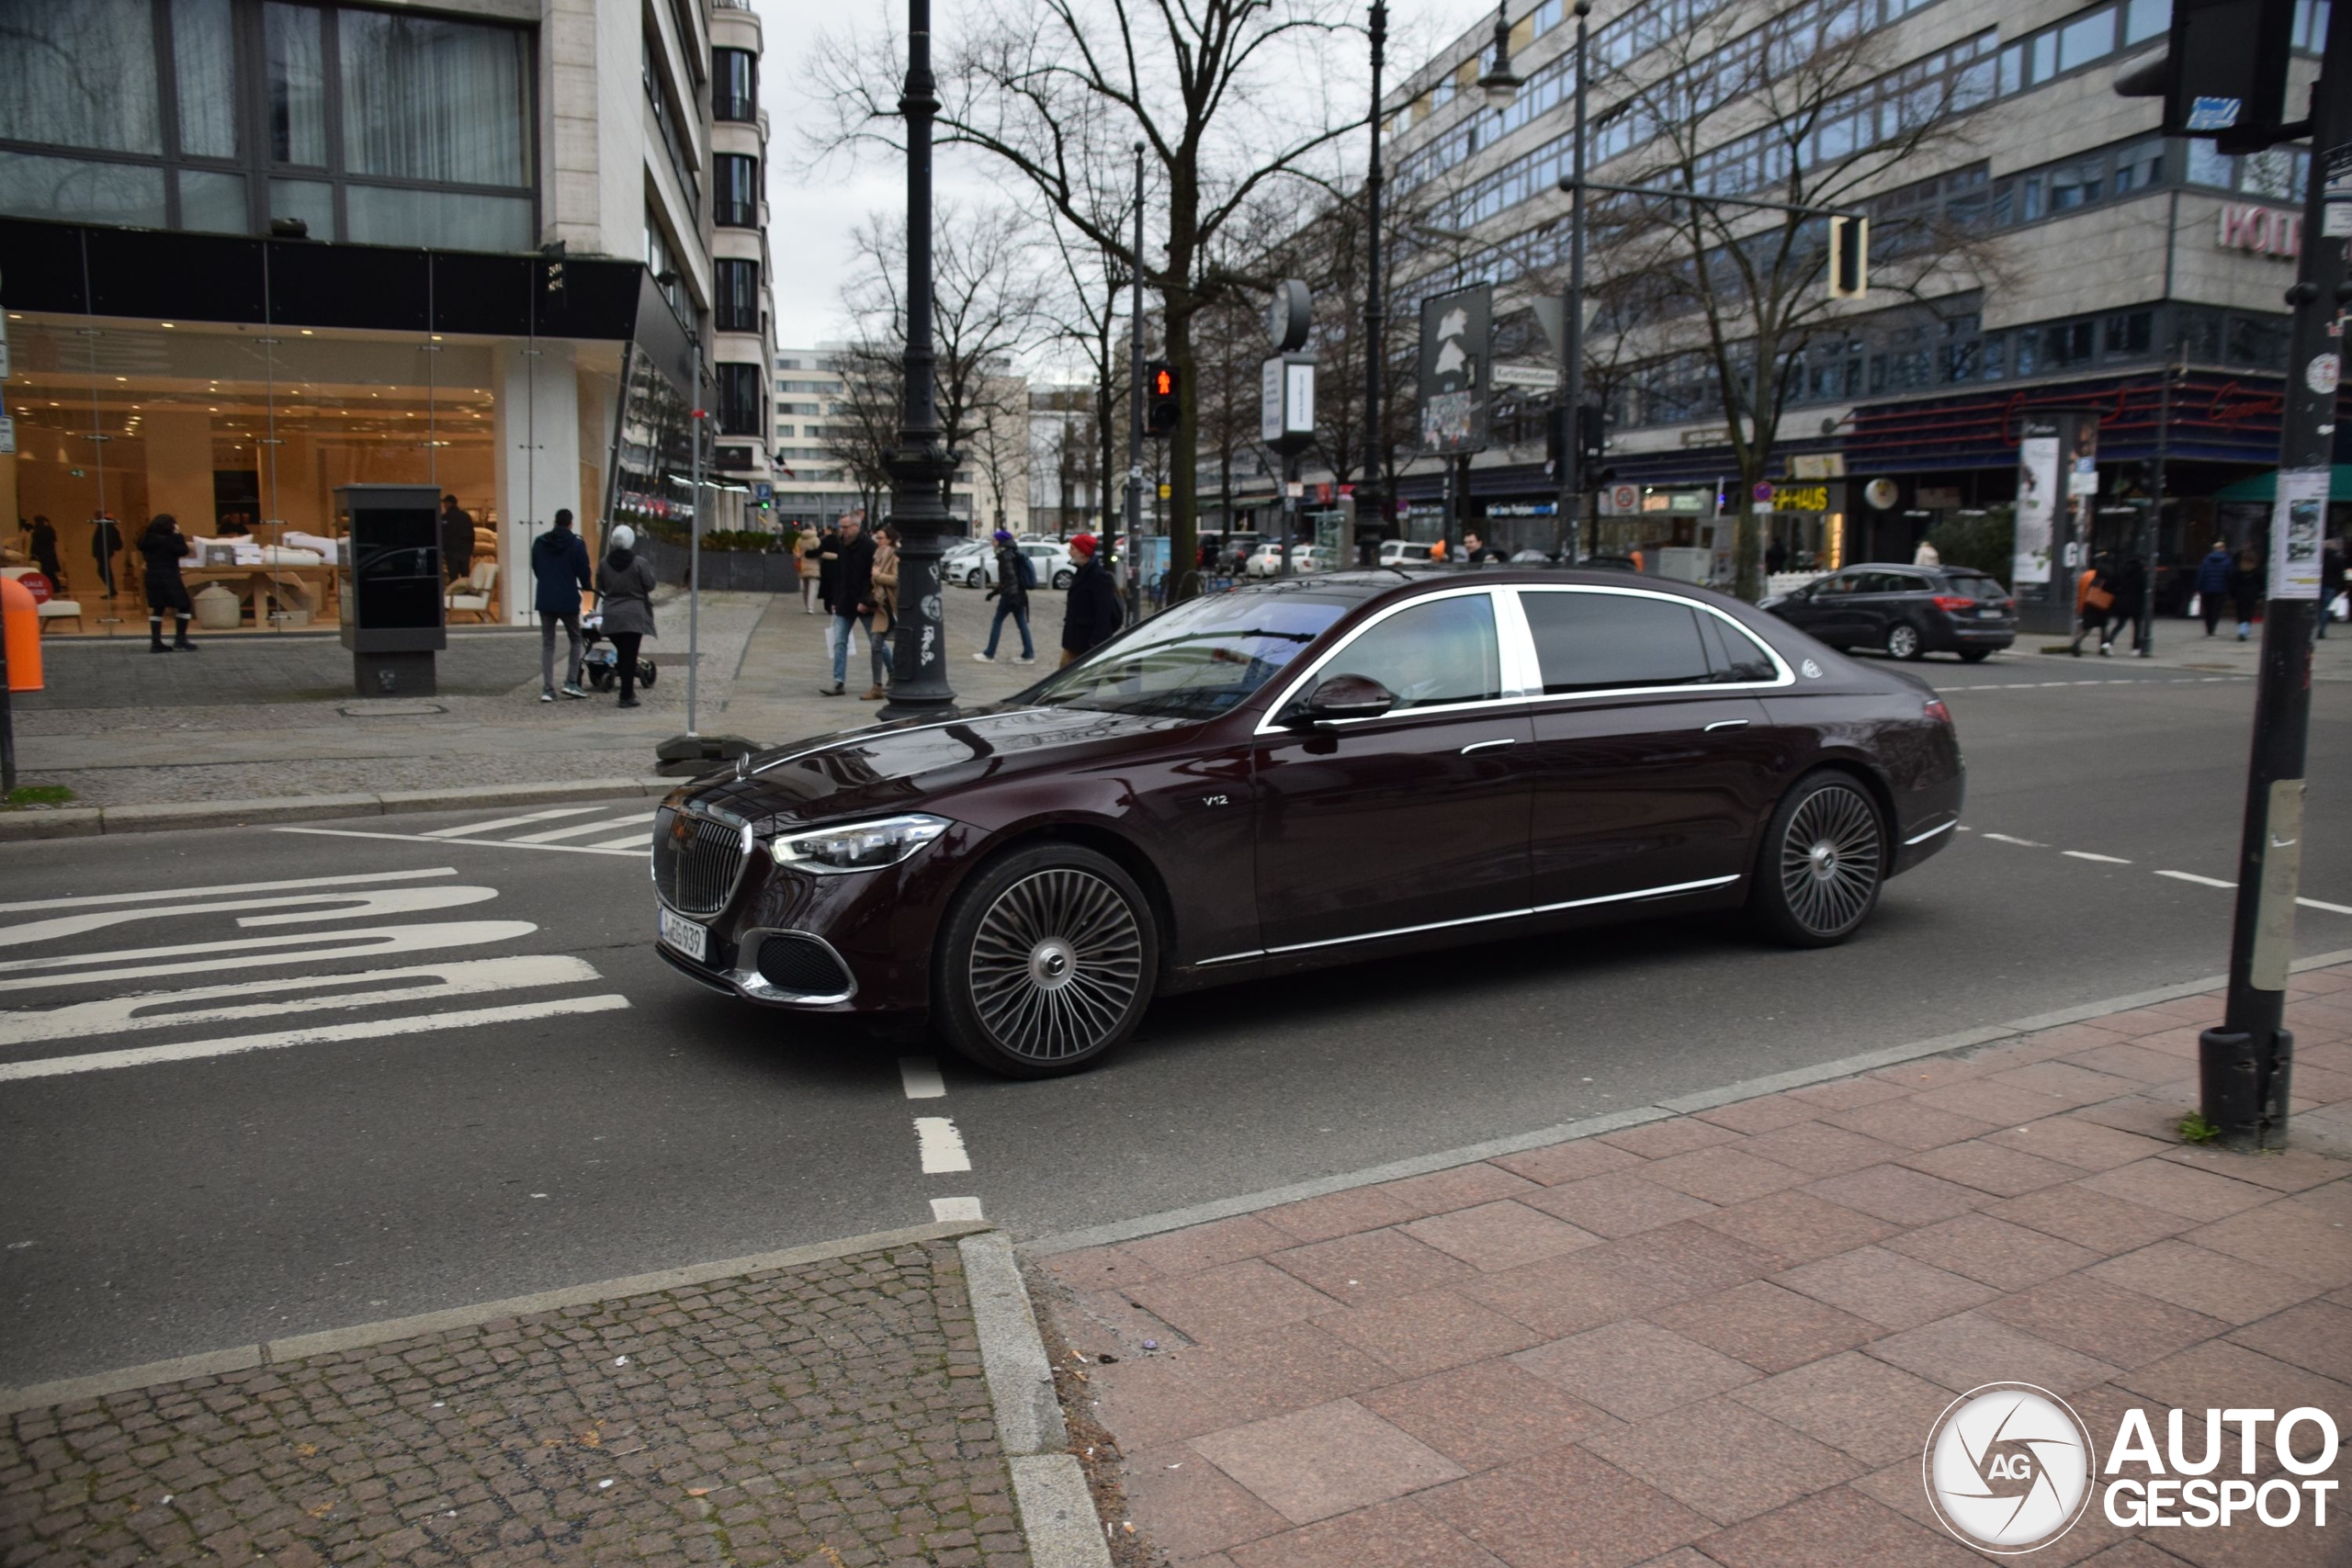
{"x":1723,"y":1339}
{"x":2183,"y":645}
{"x":833,"y":1413}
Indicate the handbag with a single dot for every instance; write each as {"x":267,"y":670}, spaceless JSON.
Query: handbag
{"x":2098,"y":598}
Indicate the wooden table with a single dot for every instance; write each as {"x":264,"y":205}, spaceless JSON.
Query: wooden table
{"x":251,"y":584}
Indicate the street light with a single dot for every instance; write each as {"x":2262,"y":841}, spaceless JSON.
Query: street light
{"x":1500,"y":83}
{"x":1369,"y":490}
{"x":1570,"y":504}
{"x":919,"y":465}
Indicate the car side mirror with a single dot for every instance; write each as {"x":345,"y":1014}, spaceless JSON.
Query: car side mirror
{"x":1348,"y":696}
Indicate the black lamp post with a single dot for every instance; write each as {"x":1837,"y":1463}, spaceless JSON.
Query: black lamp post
{"x":1369,"y":491}
{"x":1571,"y":502}
{"x":1500,"y":83}
{"x":919,"y":466}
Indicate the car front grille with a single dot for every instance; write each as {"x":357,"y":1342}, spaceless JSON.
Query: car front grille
{"x":696,"y":861}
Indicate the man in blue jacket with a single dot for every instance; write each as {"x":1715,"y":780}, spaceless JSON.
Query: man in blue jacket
{"x":559,"y":576}
{"x":2213,"y":584}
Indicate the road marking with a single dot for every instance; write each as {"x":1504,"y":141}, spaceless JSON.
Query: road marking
{"x":91,"y":900}
{"x":2201,"y":881}
{"x":375,"y":1029}
{"x":946,"y":1208}
{"x":941,"y":1144}
{"x":628,"y":843}
{"x":582,"y":829}
{"x":247,"y":952}
{"x":2103,"y":860}
{"x":2331,"y":909}
{"x":421,"y":839}
{"x":2006,"y":839}
{"x":388,"y":901}
{"x":469,"y":828}
{"x":171,"y":1009}
{"x":920,"y":1074}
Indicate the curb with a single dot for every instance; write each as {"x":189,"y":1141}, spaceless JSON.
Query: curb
{"x":1056,"y":1510}
{"x":1681,"y":1105}
{"x":90,"y":821}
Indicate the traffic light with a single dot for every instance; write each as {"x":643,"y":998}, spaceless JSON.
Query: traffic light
{"x":1555,"y":436}
{"x":1162,"y":396}
{"x":1849,"y":257}
{"x":2223,"y":72}
{"x":1590,"y":431}
{"x":1592,"y":435}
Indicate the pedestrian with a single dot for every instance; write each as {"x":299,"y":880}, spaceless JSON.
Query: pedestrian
{"x":2331,"y":582}
{"x":2213,"y":584}
{"x":559,"y":574}
{"x":625,"y":585}
{"x":105,"y":543}
{"x":850,"y":596}
{"x":2094,"y":597}
{"x":43,"y":547}
{"x":2246,"y":590}
{"x":2131,"y":591}
{"x":1093,"y":615}
{"x":805,"y":551}
{"x":1014,"y":577}
{"x":1927,"y":555}
{"x":457,"y":540}
{"x":162,"y":547}
{"x":885,"y":610}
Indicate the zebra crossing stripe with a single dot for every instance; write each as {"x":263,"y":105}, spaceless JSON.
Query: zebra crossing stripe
{"x":467,"y":829}
{"x":253,"y":951}
{"x":373,"y":1028}
{"x":156,"y":896}
{"x":420,"y":838}
{"x":582,"y":829}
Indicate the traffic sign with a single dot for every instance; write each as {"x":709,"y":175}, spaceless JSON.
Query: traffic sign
{"x":1763,"y":490}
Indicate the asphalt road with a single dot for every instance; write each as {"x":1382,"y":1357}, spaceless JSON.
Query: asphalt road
{"x":531,"y":1098}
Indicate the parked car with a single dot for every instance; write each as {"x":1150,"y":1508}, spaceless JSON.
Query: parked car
{"x":1050,"y":561}
{"x":1403,"y":552}
{"x":1907,"y":612}
{"x":956,"y":560}
{"x":1267,"y":560}
{"x":1192,"y":801}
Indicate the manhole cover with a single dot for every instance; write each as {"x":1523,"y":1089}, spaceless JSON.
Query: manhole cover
{"x":390,"y":707}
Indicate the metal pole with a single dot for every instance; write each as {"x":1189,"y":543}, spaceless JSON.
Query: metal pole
{"x":7,"y":724}
{"x":2243,"y":1067}
{"x":1571,"y":502}
{"x":2152,"y":532}
{"x":1373,"y":335}
{"x":1134,"y":389}
{"x":919,"y":466}
{"x":694,"y":557}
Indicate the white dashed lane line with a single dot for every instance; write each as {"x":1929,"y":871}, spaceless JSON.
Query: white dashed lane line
{"x":2189,"y":876}
{"x":941,"y":1144}
{"x":2201,"y":881}
{"x":2006,"y":839}
{"x":920,"y":1075}
{"x":938,"y":1142}
{"x":2103,"y":860}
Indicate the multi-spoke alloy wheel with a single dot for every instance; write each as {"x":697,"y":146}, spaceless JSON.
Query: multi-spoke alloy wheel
{"x":1903,"y":641}
{"x":1825,"y":856}
{"x":1048,"y":961}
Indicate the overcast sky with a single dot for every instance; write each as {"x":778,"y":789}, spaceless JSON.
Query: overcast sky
{"x":810,"y":221}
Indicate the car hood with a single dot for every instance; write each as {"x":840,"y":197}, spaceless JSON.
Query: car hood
{"x":907,"y":764}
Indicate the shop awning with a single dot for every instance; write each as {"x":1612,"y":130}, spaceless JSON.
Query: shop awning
{"x":2264,"y":487}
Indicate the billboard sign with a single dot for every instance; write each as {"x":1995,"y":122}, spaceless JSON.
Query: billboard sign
{"x":1456,"y":330}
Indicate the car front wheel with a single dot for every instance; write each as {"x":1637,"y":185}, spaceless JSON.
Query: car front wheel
{"x":1061,"y":580}
{"x":1822,"y":862}
{"x":1047,"y":961}
{"x":1903,"y":641}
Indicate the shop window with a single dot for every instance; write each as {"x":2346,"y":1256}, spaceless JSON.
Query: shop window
{"x":737,"y":307}
{"x":2129,"y":333}
{"x":736,"y":194}
{"x":734,"y":85}
{"x":741,"y":388}
{"x":439,"y":219}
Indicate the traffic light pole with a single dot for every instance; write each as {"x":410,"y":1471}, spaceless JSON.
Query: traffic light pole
{"x":2244,"y":1067}
{"x":1134,"y":412}
{"x":1571,"y":503}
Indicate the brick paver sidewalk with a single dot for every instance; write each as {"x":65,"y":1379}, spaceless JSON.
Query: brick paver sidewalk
{"x":1723,"y":1339}
{"x":833,"y":1413}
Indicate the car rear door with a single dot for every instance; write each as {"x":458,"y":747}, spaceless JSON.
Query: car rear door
{"x":1414,"y":821}
{"x":1654,"y":760}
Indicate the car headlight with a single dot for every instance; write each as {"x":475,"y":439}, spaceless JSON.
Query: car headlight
{"x":861,"y":846}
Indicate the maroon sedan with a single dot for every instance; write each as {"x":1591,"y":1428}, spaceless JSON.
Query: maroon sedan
{"x":1308,"y":772}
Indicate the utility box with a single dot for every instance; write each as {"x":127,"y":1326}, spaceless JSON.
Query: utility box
{"x":392,"y":616}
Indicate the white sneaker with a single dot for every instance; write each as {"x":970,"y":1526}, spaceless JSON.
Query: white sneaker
{"x":546,"y":694}
{"x":1024,"y":659}
{"x":984,"y":659}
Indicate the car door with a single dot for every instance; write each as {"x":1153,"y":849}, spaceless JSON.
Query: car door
{"x":1413,"y":820}
{"x":1836,"y":609}
{"x":1654,"y":760}
{"x":1887,"y":597}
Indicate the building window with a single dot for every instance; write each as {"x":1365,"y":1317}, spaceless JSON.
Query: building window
{"x":737,"y":307}
{"x":734,"y":85}
{"x":740,"y":409}
{"x":2129,"y":333}
{"x":735,"y":201}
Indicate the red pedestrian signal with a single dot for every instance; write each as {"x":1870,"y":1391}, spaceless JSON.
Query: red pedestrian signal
{"x":1162,"y":397}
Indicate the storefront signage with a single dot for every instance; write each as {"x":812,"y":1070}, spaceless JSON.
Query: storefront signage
{"x":1817,"y":466}
{"x":2265,"y":231}
{"x":1798,"y":498}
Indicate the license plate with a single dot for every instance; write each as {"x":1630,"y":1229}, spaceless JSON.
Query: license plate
{"x":688,"y":938}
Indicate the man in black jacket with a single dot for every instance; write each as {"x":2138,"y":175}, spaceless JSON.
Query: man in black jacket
{"x":853,"y":598}
{"x":457,"y":540}
{"x":1093,"y":615}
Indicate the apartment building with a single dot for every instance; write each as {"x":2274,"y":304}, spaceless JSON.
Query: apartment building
{"x":2099,"y":252}
{"x":259,"y":249}
{"x":832,"y":423}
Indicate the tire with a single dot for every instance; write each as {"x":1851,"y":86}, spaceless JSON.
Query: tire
{"x":998,"y":996}
{"x":600,"y":679}
{"x":1904,"y":641}
{"x":646,"y":671}
{"x":974,"y":579}
{"x":1822,"y":862}
{"x":1975,"y":655}
{"x":1061,"y":580}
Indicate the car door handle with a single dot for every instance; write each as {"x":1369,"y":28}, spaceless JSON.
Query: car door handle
{"x":1726,"y":724}
{"x":1482,"y":745}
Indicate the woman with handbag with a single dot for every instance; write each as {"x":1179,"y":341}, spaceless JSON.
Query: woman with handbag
{"x":886,"y":608}
{"x":2094,"y":598}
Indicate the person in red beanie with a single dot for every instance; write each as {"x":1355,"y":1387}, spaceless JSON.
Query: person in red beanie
{"x":1093,"y":616}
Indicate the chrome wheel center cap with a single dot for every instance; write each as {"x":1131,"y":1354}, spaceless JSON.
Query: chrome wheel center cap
{"x":1824,"y":859}
{"x":1052,"y":962}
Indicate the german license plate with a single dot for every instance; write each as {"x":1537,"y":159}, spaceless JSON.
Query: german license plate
{"x":688,"y":938}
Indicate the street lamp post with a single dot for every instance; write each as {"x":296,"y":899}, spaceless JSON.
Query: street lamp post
{"x":1135,"y":403}
{"x":1369,"y":490}
{"x":919,"y":466}
{"x":1571,"y":502}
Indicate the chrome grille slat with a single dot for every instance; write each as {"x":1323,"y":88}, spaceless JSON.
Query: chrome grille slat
{"x":696,"y":874}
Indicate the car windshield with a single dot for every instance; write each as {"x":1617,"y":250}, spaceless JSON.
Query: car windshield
{"x":1198,"y":659}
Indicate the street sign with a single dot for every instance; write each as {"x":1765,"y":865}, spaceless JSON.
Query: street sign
{"x":1286,"y":402}
{"x":1763,"y":490}
{"x":763,"y":490}
{"x":1542,"y":376}
{"x":1167,"y":490}
{"x":1456,"y":342}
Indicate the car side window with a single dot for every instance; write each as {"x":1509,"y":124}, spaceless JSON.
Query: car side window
{"x":1597,"y":642}
{"x":1733,"y":651}
{"x":1843,"y":583}
{"x":1438,"y":651}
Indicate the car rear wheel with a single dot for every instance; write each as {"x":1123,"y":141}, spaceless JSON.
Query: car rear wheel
{"x":1822,"y":862}
{"x":1903,"y":641}
{"x":1061,"y":580}
{"x":1047,"y":961}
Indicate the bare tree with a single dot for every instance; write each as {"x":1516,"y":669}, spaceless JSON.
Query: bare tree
{"x":861,"y":426}
{"x":1226,"y":96}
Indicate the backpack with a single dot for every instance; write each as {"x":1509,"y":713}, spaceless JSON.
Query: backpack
{"x":1028,"y":569}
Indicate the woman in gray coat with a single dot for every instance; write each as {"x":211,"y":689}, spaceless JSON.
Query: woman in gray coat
{"x":625,"y":588}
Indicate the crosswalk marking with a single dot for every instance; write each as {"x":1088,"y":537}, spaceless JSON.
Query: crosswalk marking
{"x":248,"y":952}
{"x":157,"y":895}
{"x":485,"y":843}
{"x":361,"y":902}
{"x":582,"y":829}
{"x":2201,"y":881}
{"x":374,"y":1029}
{"x":631,"y":844}
{"x":466,"y":830}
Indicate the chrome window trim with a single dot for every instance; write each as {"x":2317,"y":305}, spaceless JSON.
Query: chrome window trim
{"x":1506,"y":653}
{"x":1783,"y":675}
{"x":746,"y":976}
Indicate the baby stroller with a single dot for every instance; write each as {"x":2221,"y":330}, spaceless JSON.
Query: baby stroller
{"x":600,"y":661}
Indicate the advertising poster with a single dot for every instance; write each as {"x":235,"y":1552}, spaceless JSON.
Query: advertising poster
{"x":1456,"y":330}
{"x":2297,"y":528}
{"x":2038,"y":501}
